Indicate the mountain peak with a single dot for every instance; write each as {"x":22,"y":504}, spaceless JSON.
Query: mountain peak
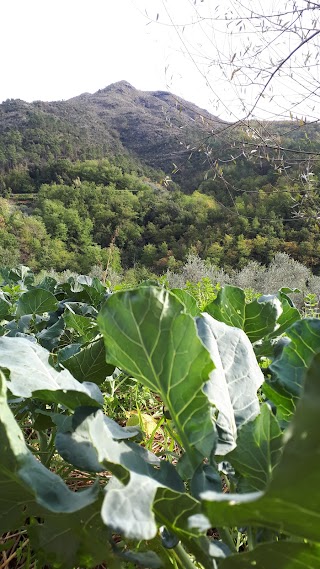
{"x":157,"y":127}
{"x":120,"y":86}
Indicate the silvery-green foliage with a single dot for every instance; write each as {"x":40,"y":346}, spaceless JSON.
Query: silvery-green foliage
{"x":196,"y":269}
{"x":112,"y":276}
{"x":285,"y":271}
{"x":96,"y":271}
{"x":314,"y":285}
{"x":251,"y":276}
{"x":59,"y":277}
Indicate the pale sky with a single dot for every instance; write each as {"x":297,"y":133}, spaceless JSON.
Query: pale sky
{"x":57,"y":49}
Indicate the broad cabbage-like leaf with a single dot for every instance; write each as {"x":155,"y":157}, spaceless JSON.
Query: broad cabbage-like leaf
{"x":31,"y":375}
{"x":233,"y":384}
{"x":85,"y":327}
{"x":95,"y":290}
{"x":267,"y":316}
{"x":147,"y":559}
{"x":290,"y":369}
{"x":19,"y":275}
{"x":94,"y":443}
{"x":5,"y":307}
{"x":36,"y":301}
{"x":89,"y":364}
{"x":258,"y":451}
{"x":289,"y":314}
{"x":72,"y":540}
{"x":49,"y":337}
{"x":188,"y":300}
{"x":229,"y":306}
{"x":148,"y":334}
{"x":285,"y":405}
{"x":279,"y":555}
{"x":24,"y":481}
{"x":291,"y":502}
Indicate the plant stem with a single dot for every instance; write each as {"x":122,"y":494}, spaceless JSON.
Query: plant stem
{"x":227,"y":538}
{"x":182,"y":557}
{"x":250,"y":539}
{"x":46,"y":446}
{"x":43,"y":445}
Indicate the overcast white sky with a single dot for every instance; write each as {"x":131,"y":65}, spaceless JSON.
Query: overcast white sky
{"x":57,"y":49}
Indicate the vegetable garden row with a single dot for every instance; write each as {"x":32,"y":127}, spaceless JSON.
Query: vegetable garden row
{"x":226,"y":476}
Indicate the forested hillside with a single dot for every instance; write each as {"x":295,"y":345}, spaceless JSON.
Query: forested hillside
{"x":129,"y":179}
{"x":156,"y":128}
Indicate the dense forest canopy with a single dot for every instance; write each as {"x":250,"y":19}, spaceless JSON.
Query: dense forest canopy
{"x":72,"y":199}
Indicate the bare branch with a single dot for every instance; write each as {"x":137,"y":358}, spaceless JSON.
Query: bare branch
{"x":277,"y":69}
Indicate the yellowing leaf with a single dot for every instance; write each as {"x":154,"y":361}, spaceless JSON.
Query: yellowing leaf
{"x":148,"y":423}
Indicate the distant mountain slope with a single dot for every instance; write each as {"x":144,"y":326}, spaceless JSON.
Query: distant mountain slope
{"x":257,"y":184}
{"x":156,"y":128}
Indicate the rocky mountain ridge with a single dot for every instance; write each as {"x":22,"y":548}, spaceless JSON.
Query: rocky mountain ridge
{"x":157,"y":128}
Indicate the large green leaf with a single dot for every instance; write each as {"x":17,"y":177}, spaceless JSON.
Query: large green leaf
{"x":25,"y":483}
{"x":268,"y":315}
{"x":257,"y":318}
{"x":73,"y":438}
{"x":49,"y":337}
{"x":71,"y":540}
{"x":188,"y":300}
{"x":173,"y":511}
{"x":19,"y":327}
{"x":234,"y":382}
{"x":148,"y":489}
{"x":90,"y":363}
{"x":71,"y":531}
{"x":289,"y":370}
{"x":31,"y":375}
{"x":80,"y":308}
{"x":19,"y":274}
{"x":49,"y":283}
{"x":36,"y":301}
{"x":148,"y":334}
{"x":147,"y":559}
{"x":285,"y":406}
{"x":5,"y":307}
{"x":288,"y":316}
{"x":291,"y":503}
{"x":94,"y":288}
{"x":258,"y":450}
{"x":278,"y":555}
{"x":94,"y":443}
{"x":261,"y":316}
{"x":229,"y":306}
{"x":84,"y":289}
{"x":85,"y":327}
